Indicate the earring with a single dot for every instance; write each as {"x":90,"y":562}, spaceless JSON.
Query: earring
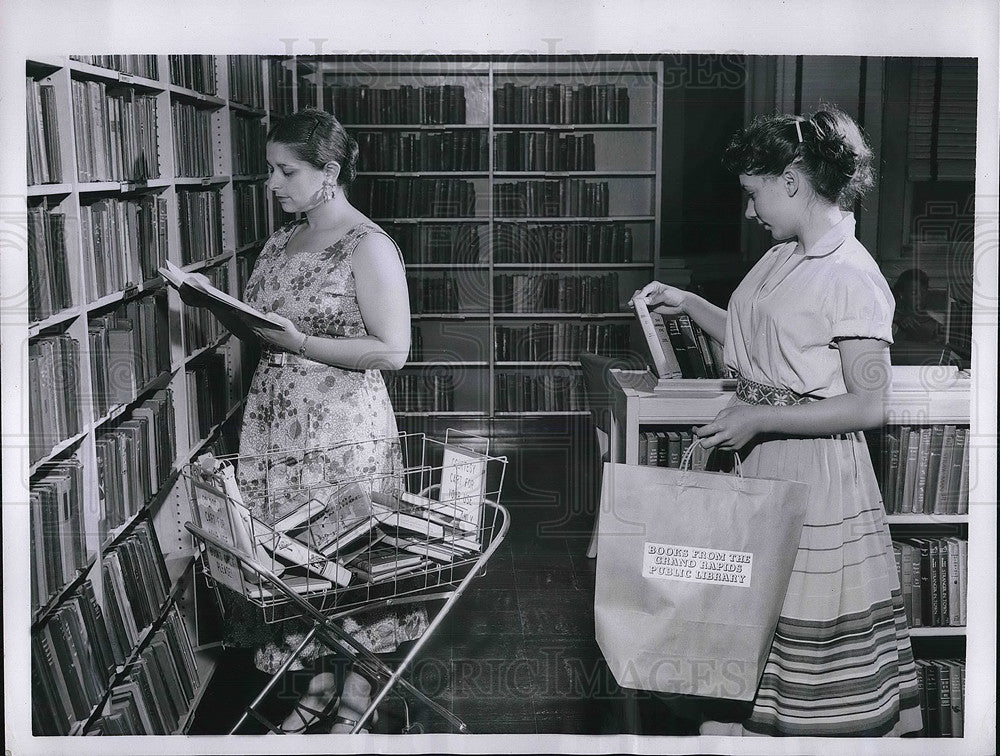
{"x":329,"y":191}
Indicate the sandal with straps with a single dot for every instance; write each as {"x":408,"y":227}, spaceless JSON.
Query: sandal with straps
{"x":316,"y":716}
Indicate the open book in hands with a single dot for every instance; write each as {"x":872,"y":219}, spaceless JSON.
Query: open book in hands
{"x":216,"y":299}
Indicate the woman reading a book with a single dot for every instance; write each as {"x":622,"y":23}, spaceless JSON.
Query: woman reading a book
{"x":333,"y":283}
{"x":808,"y":332}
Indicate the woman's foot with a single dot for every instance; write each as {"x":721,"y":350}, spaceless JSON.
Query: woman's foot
{"x":314,"y":706}
{"x":354,"y":701}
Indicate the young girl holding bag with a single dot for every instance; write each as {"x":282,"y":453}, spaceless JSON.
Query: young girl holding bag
{"x":808,"y":332}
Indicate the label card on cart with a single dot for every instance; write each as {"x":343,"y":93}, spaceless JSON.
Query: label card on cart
{"x":463,"y":484}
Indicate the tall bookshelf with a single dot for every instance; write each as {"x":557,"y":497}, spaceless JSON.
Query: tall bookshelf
{"x":136,"y":159}
{"x":920,"y":398}
{"x":525,"y":196}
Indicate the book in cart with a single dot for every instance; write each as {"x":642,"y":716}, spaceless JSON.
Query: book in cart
{"x":332,"y":547}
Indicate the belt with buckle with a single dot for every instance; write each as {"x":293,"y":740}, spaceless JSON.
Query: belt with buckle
{"x":278,"y":358}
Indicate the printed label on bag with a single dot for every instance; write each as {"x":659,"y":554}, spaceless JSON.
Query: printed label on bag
{"x":696,"y":565}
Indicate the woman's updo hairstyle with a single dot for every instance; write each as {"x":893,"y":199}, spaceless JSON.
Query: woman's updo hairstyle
{"x":317,"y":138}
{"x":829,"y":148}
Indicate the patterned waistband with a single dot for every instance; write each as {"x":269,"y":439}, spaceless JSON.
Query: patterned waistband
{"x":752,"y":392}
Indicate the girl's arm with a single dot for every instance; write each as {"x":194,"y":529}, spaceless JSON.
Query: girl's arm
{"x":867,"y":375}
{"x":385,"y":308}
{"x":670,"y":300}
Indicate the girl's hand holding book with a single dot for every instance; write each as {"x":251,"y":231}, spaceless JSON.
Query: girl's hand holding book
{"x":661,"y":298}
{"x":284,"y":335}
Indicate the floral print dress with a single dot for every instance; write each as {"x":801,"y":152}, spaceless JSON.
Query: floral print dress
{"x":334,"y":423}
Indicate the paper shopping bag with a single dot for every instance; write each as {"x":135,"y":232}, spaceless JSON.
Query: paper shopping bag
{"x":692,"y":570}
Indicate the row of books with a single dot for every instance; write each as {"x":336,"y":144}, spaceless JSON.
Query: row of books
{"x":159,"y":689}
{"x":195,"y":72}
{"x":199,"y":325}
{"x":58,"y":532}
{"x":554,"y":292}
{"x":248,"y":141}
{"x":551,"y":198}
{"x":531,"y":392}
{"x":678,"y":347}
{"x":438,"y":242}
{"x":429,"y":105}
{"x":414,"y":197}
{"x":666,"y":448}
{"x":192,"y":129}
{"x":115,"y":131}
{"x":49,"y":287}
{"x":53,"y":392}
{"x":44,"y":158}
{"x":416,"y":343}
{"x":923,"y":469}
{"x":561,"y":104}
{"x":421,"y":392}
{"x":246,"y":80}
{"x":941,"y":130}
{"x":200,"y":214}
{"x":307,"y":88}
{"x":124,"y":242}
{"x":941,"y":686}
{"x":428,"y":151}
{"x":71,"y":664}
{"x":601,"y":241}
{"x":136,"y":65}
{"x":433,"y":293}
{"x":129,"y":348}
{"x":250,"y":204}
{"x":136,"y":585}
{"x":208,"y":394}
{"x":134,"y":458}
{"x":559,"y":341}
{"x":281,"y":85}
{"x":934,"y":577}
{"x":543,"y":151}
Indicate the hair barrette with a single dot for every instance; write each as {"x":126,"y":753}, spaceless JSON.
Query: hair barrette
{"x":798,"y":130}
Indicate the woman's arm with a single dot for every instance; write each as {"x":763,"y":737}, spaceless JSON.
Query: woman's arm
{"x":385,"y":308}
{"x":867,"y":375}
{"x":670,"y":300}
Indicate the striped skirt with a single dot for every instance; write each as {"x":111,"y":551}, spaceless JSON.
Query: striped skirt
{"x":841,"y":661}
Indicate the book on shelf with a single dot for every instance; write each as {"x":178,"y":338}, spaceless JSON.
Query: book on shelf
{"x":179,"y":279}
{"x":159,"y":688}
{"x":49,"y":289}
{"x":53,"y":392}
{"x":658,"y":343}
{"x":57,"y":530}
{"x":70,"y":663}
{"x":197,"y":72}
{"x":920,"y":468}
{"x":933,"y":577}
{"x":200,"y":212}
{"x":44,"y":159}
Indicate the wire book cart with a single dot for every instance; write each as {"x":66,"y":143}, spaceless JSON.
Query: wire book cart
{"x":291,"y":535}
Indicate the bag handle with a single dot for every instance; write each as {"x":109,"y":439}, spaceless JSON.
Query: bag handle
{"x":686,"y":459}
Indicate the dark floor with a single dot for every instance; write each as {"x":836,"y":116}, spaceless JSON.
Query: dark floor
{"x":517,"y":653}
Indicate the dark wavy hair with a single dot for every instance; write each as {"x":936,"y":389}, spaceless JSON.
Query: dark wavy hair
{"x":317,"y":138}
{"x":833,"y":152}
